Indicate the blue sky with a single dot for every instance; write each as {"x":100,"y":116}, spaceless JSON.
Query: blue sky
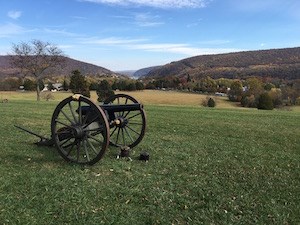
{"x":133,"y":34}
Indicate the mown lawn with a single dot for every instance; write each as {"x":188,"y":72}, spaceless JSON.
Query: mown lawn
{"x":207,"y":166}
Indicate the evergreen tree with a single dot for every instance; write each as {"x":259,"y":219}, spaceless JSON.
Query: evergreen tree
{"x":104,"y":90}
{"x":139,"y":85}
{"x":131,"y":87}
{"x":50,"y":86}
{"x":78,"y":84}
{"x":65,"y":85}
{"x":29,"y":85}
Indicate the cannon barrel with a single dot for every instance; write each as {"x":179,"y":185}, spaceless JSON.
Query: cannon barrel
{"x":121,"y":107}
{"x":114,"y":108}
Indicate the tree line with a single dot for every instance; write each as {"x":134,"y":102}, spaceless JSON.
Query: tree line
{"x":257,"y":94}
{"x":104,"y":88}
{"x":250,"y":92}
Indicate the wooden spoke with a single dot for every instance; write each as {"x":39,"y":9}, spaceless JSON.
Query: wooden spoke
{"x":72,"y":112}
{"x":124,"y":133}
{"x":81,"y":141}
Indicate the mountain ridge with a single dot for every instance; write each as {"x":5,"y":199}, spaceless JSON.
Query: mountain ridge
{"x":278,"y":63}
{"x":69,"y":65}
{"x":145,"y":71}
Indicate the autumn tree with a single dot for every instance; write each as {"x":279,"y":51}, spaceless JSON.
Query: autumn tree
{"x":291,"y":92}
{"x":236,"y":91}
{"x":34,"y":59}
{"x":206,"y":85}
{"x":265,"y":102}
{"x":254,"y":87}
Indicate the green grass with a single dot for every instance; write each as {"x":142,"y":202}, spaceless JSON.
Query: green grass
{"x":207,"y":166}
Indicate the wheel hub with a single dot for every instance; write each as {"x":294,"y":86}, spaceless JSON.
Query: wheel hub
{"x":122,"y":122}
{"x":78,"y":132}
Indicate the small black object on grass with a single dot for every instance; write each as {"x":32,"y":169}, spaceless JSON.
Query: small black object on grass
{"x":125,"y":152}
{"x":144,"y":156}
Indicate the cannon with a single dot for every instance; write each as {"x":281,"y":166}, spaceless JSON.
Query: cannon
{"x":82,"y":130}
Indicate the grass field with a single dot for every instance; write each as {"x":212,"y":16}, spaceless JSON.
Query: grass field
{"x":207,"y":166}
{"x":146,"y":97}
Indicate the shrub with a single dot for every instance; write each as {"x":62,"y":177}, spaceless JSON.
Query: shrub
{"x":276,"y":96}
{"x":298,"y":101}
{"x":211,"y":103}
{"x":265,"y":102}
{"x":249,"y":101}
{"x":245,"y":101}
{"x":10,"y":84}
{"x":48,"y":96}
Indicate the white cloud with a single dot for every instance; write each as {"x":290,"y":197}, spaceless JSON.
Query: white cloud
{"x":141,"y":44}
{"x":10,"y":29}
{"x":156,"y":3}
{"x":183,"y":49}
{"x":147,"y":20}
{"x":65,"y":46}
{"x":141,"y":19}
{"x":14,"y":14}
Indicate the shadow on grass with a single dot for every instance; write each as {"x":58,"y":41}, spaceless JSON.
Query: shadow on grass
{"x":41,"y":156}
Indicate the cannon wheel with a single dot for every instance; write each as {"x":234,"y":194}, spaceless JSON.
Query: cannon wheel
{"x":132,"y":128}
{"x":80,"y":136}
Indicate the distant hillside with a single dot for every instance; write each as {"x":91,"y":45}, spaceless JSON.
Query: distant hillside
{"x":65,"y":70}
{"x":126,"y":72}
{"x":145,"y":71}
{"x":276,"y":63}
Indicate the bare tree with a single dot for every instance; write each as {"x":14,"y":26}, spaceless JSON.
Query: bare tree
{"x":35,"y":58}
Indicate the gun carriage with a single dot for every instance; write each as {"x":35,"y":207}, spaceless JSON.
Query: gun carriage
{"x":82,"y":130}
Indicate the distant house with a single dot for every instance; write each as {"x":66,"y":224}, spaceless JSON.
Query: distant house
{"x":45,"y":88}
{"x":56,"y":87}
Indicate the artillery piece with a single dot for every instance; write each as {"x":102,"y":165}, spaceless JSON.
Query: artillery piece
{"x":82,"y":130}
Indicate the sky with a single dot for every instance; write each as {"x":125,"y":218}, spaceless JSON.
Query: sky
{"x":133,"y":34}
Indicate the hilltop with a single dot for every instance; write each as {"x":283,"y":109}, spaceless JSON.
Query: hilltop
{"x":275,"y":63}
{"x":65,"y":70}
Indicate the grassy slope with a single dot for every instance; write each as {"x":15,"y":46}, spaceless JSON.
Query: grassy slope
{"x":217,"y":166}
